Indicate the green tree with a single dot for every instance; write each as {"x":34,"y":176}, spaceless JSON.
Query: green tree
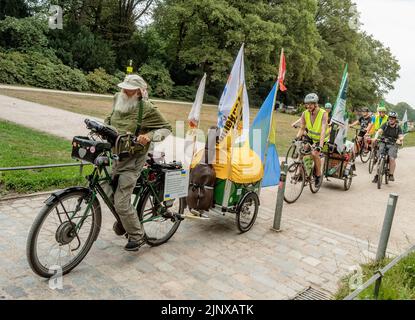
{"x":13,"y":8}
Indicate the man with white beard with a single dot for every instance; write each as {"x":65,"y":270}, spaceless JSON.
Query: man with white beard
{"x":133,"y":113}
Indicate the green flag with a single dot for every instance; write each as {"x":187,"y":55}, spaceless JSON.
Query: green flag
{"x":405,"y":122}
{"x":339,"y":109}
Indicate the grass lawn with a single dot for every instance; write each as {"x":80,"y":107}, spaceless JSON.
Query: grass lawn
{"x":101,"y":107}
{"x":398,"y":283}
{"x":21,"y":146}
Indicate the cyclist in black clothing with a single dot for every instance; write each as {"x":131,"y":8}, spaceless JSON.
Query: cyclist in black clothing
{"x":364,"y":122}
{"x":392,"y":131}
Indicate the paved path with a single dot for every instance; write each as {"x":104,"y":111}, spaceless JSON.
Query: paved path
{"x":208,"y":259}
{"x":204,"y":260}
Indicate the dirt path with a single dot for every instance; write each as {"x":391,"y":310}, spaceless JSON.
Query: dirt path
{"x":358,"y":212}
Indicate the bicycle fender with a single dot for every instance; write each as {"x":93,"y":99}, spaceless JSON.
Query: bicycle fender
{"x":56,"y":195}
{"x":239,"y":207}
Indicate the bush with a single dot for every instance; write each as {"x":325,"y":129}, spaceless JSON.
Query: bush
{"x":25,"y":35}
{"x":101,"y":82}
{"x":158,"y":79}
{"x":37,"y":70}
{"x":184,"y":93}
{"x":79,"y":48}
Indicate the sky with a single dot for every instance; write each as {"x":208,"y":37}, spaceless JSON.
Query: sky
{"x":393,"y":23}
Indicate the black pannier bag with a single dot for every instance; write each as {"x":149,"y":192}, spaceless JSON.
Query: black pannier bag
{"x":88,"y":150}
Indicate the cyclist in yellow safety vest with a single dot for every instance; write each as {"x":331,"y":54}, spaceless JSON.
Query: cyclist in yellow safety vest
{"x":315,"y":120}
{"x":378,"y":121}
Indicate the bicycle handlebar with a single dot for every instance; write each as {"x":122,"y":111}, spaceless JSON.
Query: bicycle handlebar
{"x":107,"y":133}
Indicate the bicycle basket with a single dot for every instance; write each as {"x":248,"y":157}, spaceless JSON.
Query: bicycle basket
{"x":88,"y":150}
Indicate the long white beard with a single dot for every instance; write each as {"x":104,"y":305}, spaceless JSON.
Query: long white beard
{"x":125,"y":104}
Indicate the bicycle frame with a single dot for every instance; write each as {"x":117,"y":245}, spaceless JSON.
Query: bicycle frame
{"x":101,"y":174}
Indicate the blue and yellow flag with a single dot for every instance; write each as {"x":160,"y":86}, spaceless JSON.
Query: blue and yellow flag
{"x":262,"y":140}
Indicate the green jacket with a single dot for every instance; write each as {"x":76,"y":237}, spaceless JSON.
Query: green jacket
{"x":152,"y":123}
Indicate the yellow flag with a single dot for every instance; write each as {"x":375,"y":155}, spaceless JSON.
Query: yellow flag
{"x":234,"y":118}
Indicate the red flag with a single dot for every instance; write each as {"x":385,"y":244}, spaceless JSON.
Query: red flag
{"x":282,"y":71}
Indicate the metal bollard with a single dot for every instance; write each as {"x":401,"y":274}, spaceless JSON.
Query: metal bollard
{"x":387,"y":226}
{"x":384,"y":236}
{"x":280,"y":199}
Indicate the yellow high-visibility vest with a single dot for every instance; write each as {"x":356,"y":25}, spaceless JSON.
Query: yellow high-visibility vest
{"x":314,"y":129}
{"x":379,"y":123}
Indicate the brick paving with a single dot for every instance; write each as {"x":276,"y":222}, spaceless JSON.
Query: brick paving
{"x":204,"y":260}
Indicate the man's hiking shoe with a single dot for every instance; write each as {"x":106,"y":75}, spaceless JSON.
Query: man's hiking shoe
{"x":375,"y":179}
{"x":133,"y":245}
{"x":391,"y":177}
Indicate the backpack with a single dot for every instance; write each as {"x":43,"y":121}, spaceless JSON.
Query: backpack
{"x":203,"y":177}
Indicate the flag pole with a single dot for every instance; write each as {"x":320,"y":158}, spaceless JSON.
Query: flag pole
{"x":195,"y":130}
{"x":273,"y":106}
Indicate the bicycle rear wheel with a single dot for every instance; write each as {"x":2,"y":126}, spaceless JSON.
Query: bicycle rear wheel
{"x":364,"y":155}
{"x":295,"y":181}
{"x":54,"y":244}
{"x":159,"y":221}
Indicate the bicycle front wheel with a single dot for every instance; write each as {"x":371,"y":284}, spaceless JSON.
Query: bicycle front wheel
{"x":63,"y":233}
{"x":381,"y":172}
{"x":372,"y":161}
{"x":292,"y":154}
{"x":295,"y":181}
{"x":160,"y":221}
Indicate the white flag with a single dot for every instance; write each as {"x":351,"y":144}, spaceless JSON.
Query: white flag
{"x":341,"y":137}
{"x":197,"y":104}
{"x":230,"y":94}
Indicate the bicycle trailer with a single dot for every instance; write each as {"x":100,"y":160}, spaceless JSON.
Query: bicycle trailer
{"x":237,"y":184}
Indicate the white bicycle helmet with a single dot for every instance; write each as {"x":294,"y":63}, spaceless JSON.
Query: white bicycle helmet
{"x":311,"y":98}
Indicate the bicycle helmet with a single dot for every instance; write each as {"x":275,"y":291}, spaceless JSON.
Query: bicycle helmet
{"x":328,"y":106}
{"x":365,"y":109}
{"x":393,"y":114}
{"x":311,"y":98}
{"x":382,"y":109}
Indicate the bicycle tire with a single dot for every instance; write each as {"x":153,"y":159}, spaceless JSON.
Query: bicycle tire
{"x":380,"y":172}
{"x":293,"y":168}
{"x":253,"y":197}
{"x":386,"y":171}
{"x":364,"y":157}
{"x":371,"y":162}
{"x":348,"y":180}
{"x":31,"y":249}
{"x":140,"y":209}
{"x":312,"y":185}
{"x":290,"y":153}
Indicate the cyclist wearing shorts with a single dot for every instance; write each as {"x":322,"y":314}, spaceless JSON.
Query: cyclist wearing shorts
{"x":315,"y":121}
{"x":392,"y":131}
